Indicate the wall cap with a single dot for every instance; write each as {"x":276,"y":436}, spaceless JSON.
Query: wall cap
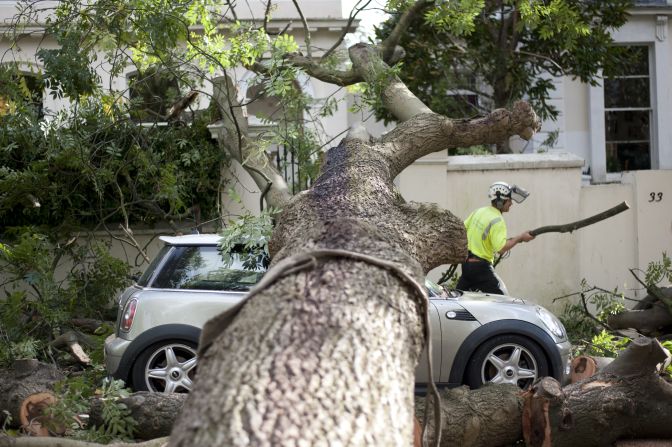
{"x":545,"y":160}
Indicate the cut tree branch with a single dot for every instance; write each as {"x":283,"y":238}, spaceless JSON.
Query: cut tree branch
{"x":569,"y":227}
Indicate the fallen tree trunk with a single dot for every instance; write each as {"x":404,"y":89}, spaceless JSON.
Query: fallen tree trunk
{"x":154,"y":412}
{"x":27,"y":377}
{"x":626,"y":400}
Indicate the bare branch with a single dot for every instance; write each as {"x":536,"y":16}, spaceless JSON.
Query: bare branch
{"x":305,"y":28}
{"x":315,"y":70}
{"x":267,"y":15}
{"x":346,"y":29}
{"x":390,"y":43}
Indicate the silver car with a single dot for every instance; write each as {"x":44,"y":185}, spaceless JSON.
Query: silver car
{"x":476,"y":338}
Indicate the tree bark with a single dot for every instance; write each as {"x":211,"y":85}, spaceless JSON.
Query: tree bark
{"x":27,"y":377}
{"x":154,"y":412}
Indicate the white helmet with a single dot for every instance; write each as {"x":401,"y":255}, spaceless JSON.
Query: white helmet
{"x":503,"y":191}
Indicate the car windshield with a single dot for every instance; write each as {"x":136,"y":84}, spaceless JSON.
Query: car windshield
{"x":434,"y":289}
{"x":204,"y":268}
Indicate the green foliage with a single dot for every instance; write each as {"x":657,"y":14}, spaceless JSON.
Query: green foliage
{"x":251,"y":233}
{"x":606,"y":344}
{"x":586,"y":319}
{"x":117,"y":420}
{"x":668,"y":368}
{"x":40,"y":301}
{"x":659,"y":271}
{"x":500,"y":51}
{"x":68,"y":71}
{"x":457,"y":18}
{"x":94,"y":166}
{"x":73,"y":399}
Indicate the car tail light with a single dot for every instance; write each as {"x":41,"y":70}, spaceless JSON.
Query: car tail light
{"x":128,"y":315}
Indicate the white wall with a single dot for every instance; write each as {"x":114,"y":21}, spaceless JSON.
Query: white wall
{"x":554,"y":264}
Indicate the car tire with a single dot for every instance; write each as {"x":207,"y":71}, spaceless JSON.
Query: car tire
{"x":507,"y":358}
{"x":166,"y":367}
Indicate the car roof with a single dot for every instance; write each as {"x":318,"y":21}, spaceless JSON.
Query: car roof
{"x":192,"y":239}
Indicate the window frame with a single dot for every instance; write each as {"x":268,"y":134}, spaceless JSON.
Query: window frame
{"x":597,"y":121}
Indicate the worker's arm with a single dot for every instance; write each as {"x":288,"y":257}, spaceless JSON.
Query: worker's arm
{"x":511,"y":242}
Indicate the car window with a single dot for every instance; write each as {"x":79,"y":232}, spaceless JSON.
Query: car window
{"x":144,"y":279}
{"x":203,"y":268}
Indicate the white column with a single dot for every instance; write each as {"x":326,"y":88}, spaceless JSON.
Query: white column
{"x":661,"y":154}
{"x":598,"y":155}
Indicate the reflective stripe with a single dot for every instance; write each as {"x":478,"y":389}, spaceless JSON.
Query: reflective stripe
{"x":487,"y":229}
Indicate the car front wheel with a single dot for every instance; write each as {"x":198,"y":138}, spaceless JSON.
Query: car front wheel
{"x":512,"y":359}
{"x":166,"y":367}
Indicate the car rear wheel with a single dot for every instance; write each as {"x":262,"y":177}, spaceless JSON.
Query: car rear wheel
{"x":512,"y":359}
{"x":166,"y":367}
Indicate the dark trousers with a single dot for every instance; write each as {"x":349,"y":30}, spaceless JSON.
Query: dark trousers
{"x":480,"y":276}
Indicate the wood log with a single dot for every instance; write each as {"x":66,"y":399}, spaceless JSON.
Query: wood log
{"x":28,"y":441}
{"x":626,"y":400}
{"x":31,"y":414}
{"x":70,"y":341}
{"x":646,"y":321}
{"x":89,"y":325}
{"x":486,"y":417}
{"x":27,"y":377}
{"x":585,"y":366}
{"x":154,"y":412}
{"x":649,"y":299}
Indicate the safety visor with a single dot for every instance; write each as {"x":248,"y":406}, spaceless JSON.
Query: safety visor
{"x":518,"y":194}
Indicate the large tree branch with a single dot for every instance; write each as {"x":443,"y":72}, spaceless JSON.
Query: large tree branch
{"x":232,"y":134}
{"x":431,"y":132}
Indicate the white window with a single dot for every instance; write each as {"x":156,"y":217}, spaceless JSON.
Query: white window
{"x":628,"y":112}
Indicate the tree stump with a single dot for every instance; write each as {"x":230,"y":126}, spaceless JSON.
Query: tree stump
{"x":28,"y":377}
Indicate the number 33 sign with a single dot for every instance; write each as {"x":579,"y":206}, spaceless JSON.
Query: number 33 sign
{"x":655,"y":196}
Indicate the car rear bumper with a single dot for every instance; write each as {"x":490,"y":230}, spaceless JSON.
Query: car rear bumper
{"x":114,"y":351}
